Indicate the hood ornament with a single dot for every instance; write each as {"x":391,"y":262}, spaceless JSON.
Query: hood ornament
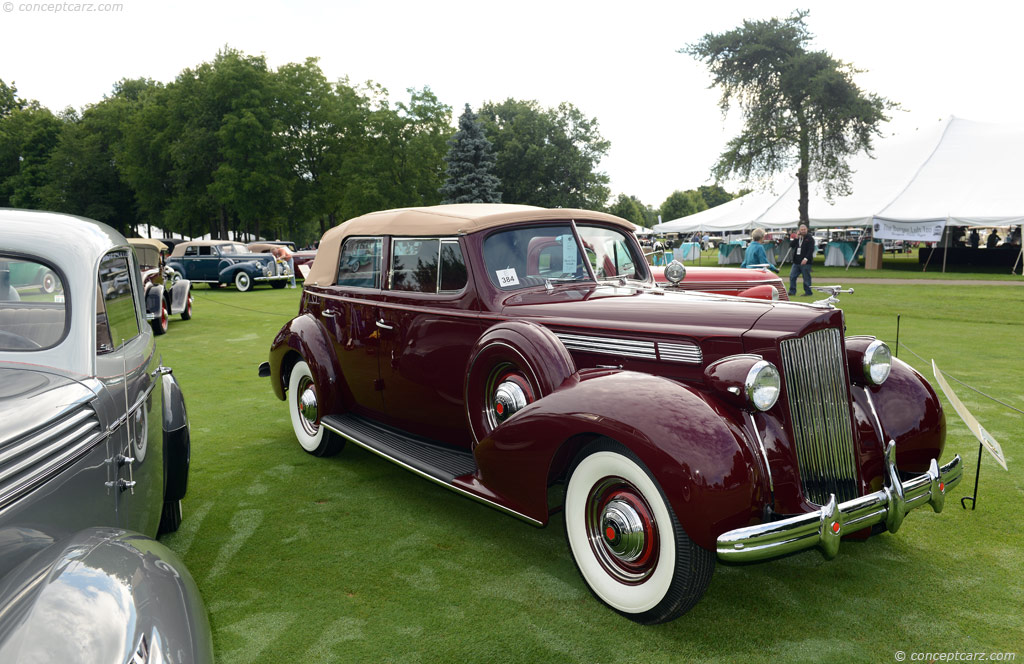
{"x":833,"y":295}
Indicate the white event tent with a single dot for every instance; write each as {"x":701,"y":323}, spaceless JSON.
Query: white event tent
{"x":957,"y":173}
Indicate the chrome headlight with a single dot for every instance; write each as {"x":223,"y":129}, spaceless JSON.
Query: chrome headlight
{"x":877,"y":362}
{"x":675,"y":272}
{"x":763,"y":385}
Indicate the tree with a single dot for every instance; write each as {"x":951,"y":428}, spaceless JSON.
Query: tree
{"x":629,"y":208}
{"x":681,"y":204}
{"x":547,"y":157}
{"x":714,"y":195}
{"x":470,"y":164}
{"x":28,"y":134}
{"x":82,"y":175}
{"x":800,"y":107}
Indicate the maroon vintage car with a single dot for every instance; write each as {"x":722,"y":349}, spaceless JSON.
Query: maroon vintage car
{"x":525,"y":358}
{"x":743,"y":282}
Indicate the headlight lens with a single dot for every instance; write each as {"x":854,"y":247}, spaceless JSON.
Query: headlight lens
{"x":763,"y":385}
{"x":877,"y":362}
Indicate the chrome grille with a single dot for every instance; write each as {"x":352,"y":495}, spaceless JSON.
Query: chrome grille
{"x":685,"y":352}
{"x":820,"y":411}
{"x":35,"y":457}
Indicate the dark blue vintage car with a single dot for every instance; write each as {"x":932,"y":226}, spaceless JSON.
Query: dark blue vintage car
{"x":216,"y":262}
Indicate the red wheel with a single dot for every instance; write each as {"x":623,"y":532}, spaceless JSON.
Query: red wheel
{"x":187,"y":313}
{"x":513,"y":364}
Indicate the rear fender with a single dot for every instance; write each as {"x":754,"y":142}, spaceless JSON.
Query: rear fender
{"x":305,"y":338}
{"x":177,"y":440}
{"x":179,"y":295}
{"x":695,"y":446}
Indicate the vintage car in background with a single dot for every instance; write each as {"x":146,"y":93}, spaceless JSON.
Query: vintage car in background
{"x":483,"y":348}
{"x":165,"y":293}
{"x":301,"y":258}
{"x":741,"y":282}
{"x":94,"y":458}
{"x":216,"y":262}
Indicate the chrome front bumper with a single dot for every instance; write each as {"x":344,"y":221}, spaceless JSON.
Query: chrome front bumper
{"x":826,"y":526}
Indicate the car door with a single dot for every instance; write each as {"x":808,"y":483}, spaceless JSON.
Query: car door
{"x":126,"y":364}
{"x":349,"y":314}
{"x":429,"y":322}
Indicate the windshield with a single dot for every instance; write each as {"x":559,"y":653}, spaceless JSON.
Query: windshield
{"x":33,"y":311}
{"x":533,"y":256}
{"x":233,"y":249}
{"x":612,"y":254}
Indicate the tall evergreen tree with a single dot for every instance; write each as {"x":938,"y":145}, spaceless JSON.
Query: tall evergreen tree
{"x":470,"y":165}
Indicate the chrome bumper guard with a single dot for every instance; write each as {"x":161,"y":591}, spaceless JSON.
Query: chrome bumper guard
{"x":826,"y":526}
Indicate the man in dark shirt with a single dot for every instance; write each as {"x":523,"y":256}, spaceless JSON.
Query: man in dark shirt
{"x":804,"y":247}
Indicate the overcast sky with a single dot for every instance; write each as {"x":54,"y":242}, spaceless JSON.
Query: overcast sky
{"x":616,"y":61}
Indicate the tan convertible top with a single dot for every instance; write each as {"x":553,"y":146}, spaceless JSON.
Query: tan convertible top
{"x":439,"y":220}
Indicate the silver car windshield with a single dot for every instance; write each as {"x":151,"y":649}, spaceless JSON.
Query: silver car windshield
{"x":33,"y":310}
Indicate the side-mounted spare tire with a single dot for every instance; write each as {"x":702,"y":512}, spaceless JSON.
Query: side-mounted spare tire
{"x":512,"y":365}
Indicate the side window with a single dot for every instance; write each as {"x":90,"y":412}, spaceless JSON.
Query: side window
{"x":117,"y":320}
{"x":453,"y":267}
{"x":359,"y":265}
{"x":414,"y":265}
{"x":205,"y":251}
{"x":192,"y":251}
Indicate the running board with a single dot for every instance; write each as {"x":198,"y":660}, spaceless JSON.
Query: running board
{"x":438,"y":463}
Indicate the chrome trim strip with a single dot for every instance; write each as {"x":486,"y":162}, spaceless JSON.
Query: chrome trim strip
{"x":609,"y":346}
{"x":825,"y":527}
{"x":433,"y":479}
{"x":764,"y":450}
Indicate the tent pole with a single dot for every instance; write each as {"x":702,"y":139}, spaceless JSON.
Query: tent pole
{"x":1020,"y":255}
{"x":945,"y":250}
{"x":855,"y":250}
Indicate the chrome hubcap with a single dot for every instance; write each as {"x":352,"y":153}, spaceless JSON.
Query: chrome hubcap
{"x":623,"y":530}
{"x":509,"y":398}
{"x":308,"y":411}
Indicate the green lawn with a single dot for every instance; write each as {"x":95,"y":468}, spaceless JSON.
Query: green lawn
{"x":352,"y":559}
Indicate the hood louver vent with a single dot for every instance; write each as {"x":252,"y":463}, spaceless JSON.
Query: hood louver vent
{"x":32,"y":459}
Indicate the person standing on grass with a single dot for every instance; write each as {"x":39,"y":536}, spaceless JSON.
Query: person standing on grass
{"x":804,"y":248}
{"x":756,"y":256}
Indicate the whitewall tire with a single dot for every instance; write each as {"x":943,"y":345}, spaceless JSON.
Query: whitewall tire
{"x":304,"y":407}
{"x":626,"y":540}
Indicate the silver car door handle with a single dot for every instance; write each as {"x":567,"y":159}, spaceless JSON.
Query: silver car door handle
{"x":384,"y":326}
{"x":329,"y":313}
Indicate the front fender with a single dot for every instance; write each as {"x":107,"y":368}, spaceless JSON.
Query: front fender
{"x":103,"y":595}
{"x":305,"y":337}
{"x":154,"y":297}
{"x":698,"y":453}
{"x":910,"y":414}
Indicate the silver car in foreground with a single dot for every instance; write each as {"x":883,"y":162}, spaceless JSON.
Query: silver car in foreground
{"x":94,"y":457}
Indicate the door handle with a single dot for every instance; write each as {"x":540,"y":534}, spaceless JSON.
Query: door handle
{"x":329,"y":313}
{"x":384,"y":326}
